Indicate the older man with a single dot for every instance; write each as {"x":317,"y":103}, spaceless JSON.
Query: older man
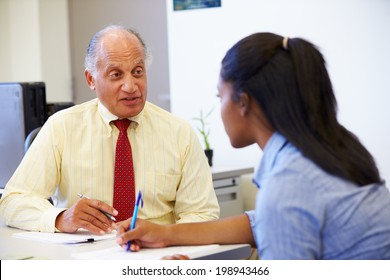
{"x":74,"y":153}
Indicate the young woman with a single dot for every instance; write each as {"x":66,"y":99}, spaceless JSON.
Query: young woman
{"x":321,"y":195}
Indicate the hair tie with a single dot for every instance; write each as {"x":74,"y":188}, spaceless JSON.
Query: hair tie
{"x":285,"y":43}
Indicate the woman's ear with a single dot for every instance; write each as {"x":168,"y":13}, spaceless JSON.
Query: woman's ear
{"x":244,"y":103}
{"x":90,"y":80}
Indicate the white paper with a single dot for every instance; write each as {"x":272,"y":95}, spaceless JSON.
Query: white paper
{"x":63,"y":238}
{"x":118,"y":253}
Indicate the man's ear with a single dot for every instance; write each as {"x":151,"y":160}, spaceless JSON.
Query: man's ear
{"x":245,"y":103}
{"x":90,"y":80}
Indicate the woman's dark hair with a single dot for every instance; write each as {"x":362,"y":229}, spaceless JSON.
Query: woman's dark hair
{"x":293,"y":89}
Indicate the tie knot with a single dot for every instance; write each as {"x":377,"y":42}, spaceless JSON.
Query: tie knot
{"x":122,"y":125}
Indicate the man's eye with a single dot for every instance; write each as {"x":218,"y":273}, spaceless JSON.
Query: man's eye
{"x":115,"y":75}
{"x":138,"y":72}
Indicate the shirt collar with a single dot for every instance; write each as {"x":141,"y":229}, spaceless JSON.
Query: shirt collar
{"x":108,"y":117}
{"x":271,"y":150}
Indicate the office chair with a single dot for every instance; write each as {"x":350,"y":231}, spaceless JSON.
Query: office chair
{"x":27,"y":143}
{"x":30,"y":138}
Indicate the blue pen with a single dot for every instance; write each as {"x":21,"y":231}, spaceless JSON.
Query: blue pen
{"x":135,"y":213}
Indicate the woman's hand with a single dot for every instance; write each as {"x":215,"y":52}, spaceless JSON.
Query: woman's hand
{"x":145,"y":234}
{"x":176,"y":257}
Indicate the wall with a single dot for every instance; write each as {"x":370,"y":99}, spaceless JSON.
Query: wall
{"x":35,"y":45}
{"x":352,"y":34}
{"x":55,"y":46}
{"x":45,"y":40}
{"x":22,"y":40}
{"x":5,"y":46}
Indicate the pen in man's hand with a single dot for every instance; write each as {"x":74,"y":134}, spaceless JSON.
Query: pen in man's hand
{"x":135,"y":213}
{"x":111,"y":217}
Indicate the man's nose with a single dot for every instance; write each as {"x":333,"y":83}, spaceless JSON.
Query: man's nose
{"x":129,"y":84}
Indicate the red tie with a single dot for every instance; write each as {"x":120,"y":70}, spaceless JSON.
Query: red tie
{"x":124,"y":187}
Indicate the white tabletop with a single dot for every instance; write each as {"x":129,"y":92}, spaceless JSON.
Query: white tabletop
{"x":17,"y":248}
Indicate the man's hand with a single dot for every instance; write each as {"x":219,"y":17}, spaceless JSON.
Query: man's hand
{"x":86,"y":213}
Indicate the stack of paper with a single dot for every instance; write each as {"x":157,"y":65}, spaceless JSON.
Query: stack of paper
{"x":80,"y":236}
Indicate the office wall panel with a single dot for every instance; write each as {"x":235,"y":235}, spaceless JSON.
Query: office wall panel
{"x":350,"y":33}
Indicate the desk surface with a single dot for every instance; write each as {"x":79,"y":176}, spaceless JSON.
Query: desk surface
{"x":229,"y":172}
{"x":16,"y":248}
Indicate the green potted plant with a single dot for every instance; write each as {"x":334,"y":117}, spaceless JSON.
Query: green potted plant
{"x":205,"y":132}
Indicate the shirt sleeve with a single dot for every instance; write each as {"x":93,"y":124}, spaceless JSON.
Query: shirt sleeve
{"x":251,"y":216}
{"x":196,"y":200}
{"x":25,"y":203}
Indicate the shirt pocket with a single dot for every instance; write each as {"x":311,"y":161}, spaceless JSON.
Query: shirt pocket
{"x":159,"y":192}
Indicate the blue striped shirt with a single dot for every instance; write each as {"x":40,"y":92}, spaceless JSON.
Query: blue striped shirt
{"x":303,"y":212}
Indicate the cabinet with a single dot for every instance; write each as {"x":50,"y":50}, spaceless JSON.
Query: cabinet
{"x":226,"y":183}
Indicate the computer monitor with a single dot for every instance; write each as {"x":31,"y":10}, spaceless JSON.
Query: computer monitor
{"x":22,"y":109}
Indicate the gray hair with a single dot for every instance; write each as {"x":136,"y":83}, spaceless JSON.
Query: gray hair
{"x":90,"y":57}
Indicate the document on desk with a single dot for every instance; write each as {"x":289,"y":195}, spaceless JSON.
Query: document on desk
{"x":118,"y":253}
{"x":81,"y":236}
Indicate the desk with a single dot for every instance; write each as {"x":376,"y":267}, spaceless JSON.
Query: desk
{"x":226,"y":183}
{"x":16,"y":248}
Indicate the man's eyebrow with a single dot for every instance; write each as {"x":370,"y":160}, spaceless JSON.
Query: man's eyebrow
{"x":112,"y":66}
{"x":140,"y":61}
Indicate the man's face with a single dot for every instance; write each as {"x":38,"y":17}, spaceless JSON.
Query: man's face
{"x":120,"y":80}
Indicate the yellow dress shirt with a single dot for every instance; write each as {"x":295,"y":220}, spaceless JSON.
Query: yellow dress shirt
{"x":75,"y":152}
